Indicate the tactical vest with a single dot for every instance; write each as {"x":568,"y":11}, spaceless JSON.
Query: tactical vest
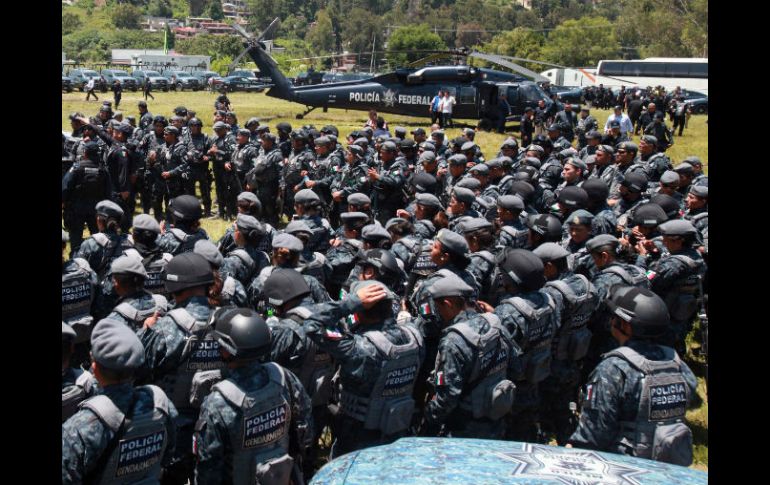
{"x":315,"y":369}
{"x":413,"y":246}
{"x":315,"y":268}
{"x":89,"y":184}
{"x":72,"y":396}
{"x":519,"y":236}
{"x":200,"y":353}
{"x":390,"y":405}
{"x":658,"y":431}
{"x":155,"y":265}
{"x":77,"y":295}
{"x":488,"y":393}
{"x":573,"y":337}
{"x":141,"y":440}
{"x":639,"y":279}
{"x":228,"y":290}
{"x":486,"y":280}
{"x":343,"y":259}
{"x":682,"y":300}
{"x":137,"y":317}
{"x":536,"y":359}
{"x":248,"y":263}
{"x":112,"y":248}
{"x":187,"y":241}
{"x":423,"y":264}
{"x":259,"y":438}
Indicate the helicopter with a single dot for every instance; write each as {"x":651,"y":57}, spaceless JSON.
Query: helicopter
{"x":410,"y":90}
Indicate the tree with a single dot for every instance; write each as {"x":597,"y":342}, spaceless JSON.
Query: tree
{"x":70,"y":22}
{"x":197,"y":7}
{"x":214,"y":10}
{"x":405,"y":41}
{"x":519,"y":42}
{"x":160,"y":8}
{"x":125,"y":16}
{"x":469,"y":34}
{"x":359,"y":29}
{"x":581,"y":42}
{"x":658,"y":28}
{"x":171,"y":38}
{"x":320,"y":37}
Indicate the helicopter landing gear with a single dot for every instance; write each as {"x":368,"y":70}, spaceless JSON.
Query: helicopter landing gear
{"x":302,"y":115}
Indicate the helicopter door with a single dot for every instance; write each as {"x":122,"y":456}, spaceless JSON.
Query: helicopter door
{"x":486,"y":100}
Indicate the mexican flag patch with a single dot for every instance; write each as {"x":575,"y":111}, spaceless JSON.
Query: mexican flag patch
{"x":651,"y":274}
{"x":332,"y":334}
{"x":440,"y":381}
{"x":425,"y":309}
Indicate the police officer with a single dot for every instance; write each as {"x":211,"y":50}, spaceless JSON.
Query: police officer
{"x":593,"y":139}
{"x":478,"y":234}
{"x":107,"y":244}
{"x":611,"y":271}
{"x":77,"y":385}
{"x":675,"y":278}
{"x":697,"y":209}
{"x":655,"y":161}
{"x":604,"y":168}
{"x":199,"y":163}
{"x":173,"y":165}
{"x":245,"y":261}
{"x":134,"y":304}
{"x":471,"y":392}
{"x":297,"y":166}
{"x":82,"y":188}
{"x":388,"y":183}
{"x":141,"y":419}
{"x":621,"y":411}
{"x":118,"y":163}
{"x":605,"y":221}
{"x":579,"y":225}
{"x":531,"y":317}
{"x":512,"y":226}
{"x":662,"y":133}
{"x":222,"y":147}
{"x":577,"y":298}
{"x":585,"y":124}
{"x":379,"y":364}
{"x":179,"y":345}
{"x":263,"y":179}
{"x":79,"y":290}
{"x":352,"y":178}
{"x":256,"y":424}
{"x":226,"y":290}
{"x":185,"y":212}
{"x":152,"y":185}
{"x":242,"y":159}
{"x":543,"y":228}
{"x":308,"y":207}
{"x":632,"y":193}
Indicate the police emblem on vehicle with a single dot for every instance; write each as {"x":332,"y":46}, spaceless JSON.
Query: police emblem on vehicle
{"x":139,"y":454}
{"x":389,"y":97}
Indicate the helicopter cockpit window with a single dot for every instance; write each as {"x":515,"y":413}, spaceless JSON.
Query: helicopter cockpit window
{"x":467,"y":95}
{"x":513,"y":94}
{"x":529,"y":93}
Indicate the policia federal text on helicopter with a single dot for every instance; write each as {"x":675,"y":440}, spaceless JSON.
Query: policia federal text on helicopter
{"x":409,"y":91}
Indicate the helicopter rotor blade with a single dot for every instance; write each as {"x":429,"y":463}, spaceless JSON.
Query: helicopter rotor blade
{"x":269,"y":30}
{"x":510,"y":65}
{"x":241,"y":31}
{"x":237,"y":59}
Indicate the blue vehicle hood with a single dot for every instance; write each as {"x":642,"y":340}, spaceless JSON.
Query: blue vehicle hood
{"x":428,"y":461}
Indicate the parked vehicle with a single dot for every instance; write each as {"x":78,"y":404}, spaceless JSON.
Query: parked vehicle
{"x":81,"y":76}
{"x":241,"y":83}
{"x":66,"y":84}
{"x":128,"y":82}
{"x":181,"y":80}
{"x":153,"y":77}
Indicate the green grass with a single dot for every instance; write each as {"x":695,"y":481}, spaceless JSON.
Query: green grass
{"x":272,"y":111}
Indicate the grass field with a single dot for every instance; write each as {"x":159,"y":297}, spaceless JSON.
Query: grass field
{"x":271,"y":111}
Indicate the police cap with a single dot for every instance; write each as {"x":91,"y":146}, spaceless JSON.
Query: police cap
{"x":424,"y":182}
{"x":374,"y":232}
{"x":479,"y":169}
{"x":368,"y":130}
{"x":284,"y":284}
{"x":247,"y":223}
{"x":91,"y":149}
{"x":250,"y":197}
{"x":180,"y":111}
{"x":400,"y":131}
{"x":109,"y":209}
{"x":283,"y":127}
{"x":356,"y":150}
{"x":418,"y":131}
{"x":299,"y":134}
{"x":510,"y":143}
{"x":649,"y":139}
{"x":554,"y":127}
{"x":458,"y":159}
{"x":172,"y":130}
{"x":306,"y":197}
{"x":573,"y":197}
{"x":452,"y":243}
{"x":428,"y":146}
{"x":427,"y":156}
{"x":263,"y":129}
{"x":550,"y":251}
{"x":145,"y":222}
{"x":545,"y":225}
{"x":494,"y":163}
{"x":669,"y":204}
{"x":694,"y":161}
{"x":523,"y":189}
{"x":297,"y":226}
{"x":357,"y":285}
{"x":605,"y":149}
{"x":209,"y":251}
{"x":244,"y":132}
{"x":159,"y":119}
{"x":195,"y":122}
{"x":464,"y":195}
{"x":536,"y":149}
{"x":408,"y":144}
{"x":600,"y":241}
{"x":472,"y":224}
{"x":468,"y":145}
{"x":678,"y":227}
{"x":124,"y":128}
{"x":450,"y":286}
{"x":287,"y":241}
{"x":322,"y":141}
{"x":635,"y":182}
{"x":628,"y":146}
{"x":115,"y":346}
{"x":389,"y":146}
{"x":580,"y":216}
{"x":428,"y":200}
{"x":394,"y":221}
{"x":384,"y":261}
{"x":684,"y":168}
{"x":185,"y":208}
{"x":614,"y":124}
{"x":511,"y":202}
{"x":128,"y":265}
{"x":577,"y":163}
{"x":523,"y":268}
{"x":507,"y":162}
{"x":105,"y":108}
{"x":567,"y":153}
{"x":330,"y":130}
{"x":593,"y":135}
{"x":252,"y":121}
{"x":647,"y":215}
{"x":268,"y":136}
{"x":471,"y":183}
{"x":701,"y":191}
{"x":187,"y":270}
{"x":354,"y":218}
{"x":358,"y":199}
{"x":596,"y":189}
{"x":220,"y":125}
{"x":669,"y":177}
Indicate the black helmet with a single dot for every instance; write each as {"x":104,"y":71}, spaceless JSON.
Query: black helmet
{"x":187,"y":270}
{"x":160,"y":119}
{"x":299,"y":135}
{"x":644,"y":310}
{"x":597,"y":190}
{"x":241,"y":332}
{"x":185,"y":208}
{"x":180,"y":111}
{"x":384,"y":261}
{"x":195,"y":122}
{"x":546,"y":225}
{"x":523,"y":267}
{"x":284,"y":284}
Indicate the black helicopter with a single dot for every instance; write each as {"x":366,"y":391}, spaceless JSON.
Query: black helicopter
{"x":410,"y":90}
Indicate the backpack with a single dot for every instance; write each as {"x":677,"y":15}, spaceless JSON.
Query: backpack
{"x":536,"y":359}
{"x":573,"y":336}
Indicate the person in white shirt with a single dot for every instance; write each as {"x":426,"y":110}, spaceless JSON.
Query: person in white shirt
{"x":447,"y":103}
{"x":626,"y":127}
{"x":90,"y":89}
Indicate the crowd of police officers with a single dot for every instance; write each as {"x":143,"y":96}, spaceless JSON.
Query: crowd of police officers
{"x":421,"y":287}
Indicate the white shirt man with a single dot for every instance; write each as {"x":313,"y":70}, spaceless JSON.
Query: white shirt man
{"x":625,"y":122}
